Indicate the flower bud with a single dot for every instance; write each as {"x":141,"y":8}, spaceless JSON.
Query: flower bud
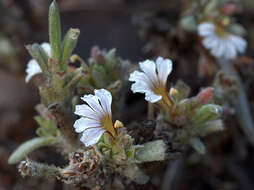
{"x":174,"y":94}
{"x":205,"y":96}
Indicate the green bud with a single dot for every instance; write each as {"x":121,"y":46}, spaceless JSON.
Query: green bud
{"x":207,"y":113}
{"x":188,"y":23}
{"x":69,"y":43}
{"x":55,"y":31}
{"x":24,"y":149}
{"x":198,"y":145}
{"x":38,"y":53}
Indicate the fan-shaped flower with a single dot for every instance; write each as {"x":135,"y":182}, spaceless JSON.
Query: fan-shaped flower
{"x":96,"y":117}
{"x":33,"y":68}
{"x":152,"y":80}
{"x":221,"y":43}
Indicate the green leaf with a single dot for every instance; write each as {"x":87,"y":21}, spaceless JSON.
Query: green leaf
{"x":207,"y":113}
{"x":99,"y":76}
{"x":152,"y":151}
{"x":198,"y":145}
{"x":48,"y":128}
{"x":24,"y":149}
{"x":69,"y":43}
{"x":55,"y":31}
{"x":38,"y":53}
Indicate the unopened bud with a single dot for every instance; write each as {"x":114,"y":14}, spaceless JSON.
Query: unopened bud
{"x":174,"y":94}
{"x":205,"y":96}
{"x":118,"y":124}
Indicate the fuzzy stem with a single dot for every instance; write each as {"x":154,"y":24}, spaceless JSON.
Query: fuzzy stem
{"x":240,"y":102}
{"x":65,"y":123}
{"x":31,"y":168}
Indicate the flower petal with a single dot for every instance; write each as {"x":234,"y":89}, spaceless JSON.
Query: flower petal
{"x":137,"y":76}
{"x":152,"y":97}
{"x":93,"y":102}
{"x":140,"y":87}
{"x":210,"y":42}
{"x":164,"y":68}
{"x":206,"y":29}
{"x":105,"y":100}
{"x":86,"y":111}
{"x":47,"y":48}
{"x":239,"y":42}
{"x":33,"y":68}
{"x":220,"y":49}
{"x":231,"y":52}
{"x":91,"y":136}
{"x":83,"y":124}
{"x":148,"y":67}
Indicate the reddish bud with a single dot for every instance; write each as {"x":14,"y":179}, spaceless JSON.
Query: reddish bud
{"x":205,"y":95}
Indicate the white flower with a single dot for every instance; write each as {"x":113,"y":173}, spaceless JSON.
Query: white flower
{"x":152,"y":81}
{"x":221,"y":43}
{"x":33,"y":68}
{"x":96,"y":117}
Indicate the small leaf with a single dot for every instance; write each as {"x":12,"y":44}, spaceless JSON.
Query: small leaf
{"x":69,"y":43}
{"x":207,"y":113}
{"x":99,"y":76}
{"x":24,"y":149}
{"x":152,"y":151}
{"x":198,"y":145}
{"x":55,"y":31}
{"x":38,"y":53}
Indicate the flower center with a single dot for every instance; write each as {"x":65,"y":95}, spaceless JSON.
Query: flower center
{"x":108,"y":125}
{"x":165,"y":102}
{"x":221,"y":32}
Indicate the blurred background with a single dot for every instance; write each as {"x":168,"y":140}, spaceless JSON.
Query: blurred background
{"x":138,"y":29}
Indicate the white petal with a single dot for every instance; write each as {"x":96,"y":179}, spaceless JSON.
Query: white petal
{"x":230,"y":51}
{"x":164,"y":68}
{"x":219,"y":50}
{"x":210,"y":42}
{"x":83,"y":124}
{"x":148,"y":67}
{"x":151,"y":97}
{"x":105,"y":99}
{"x":137,"y":76}
{"x":47,"y":48}
{"x":93,"y":102}
{"x":91,"y":136}
{"x":33,"y":68}
{"x":86,"y":111}
{"x":140,"y":87}
{"x":206,"y":29}
{"x":239,"y":42}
